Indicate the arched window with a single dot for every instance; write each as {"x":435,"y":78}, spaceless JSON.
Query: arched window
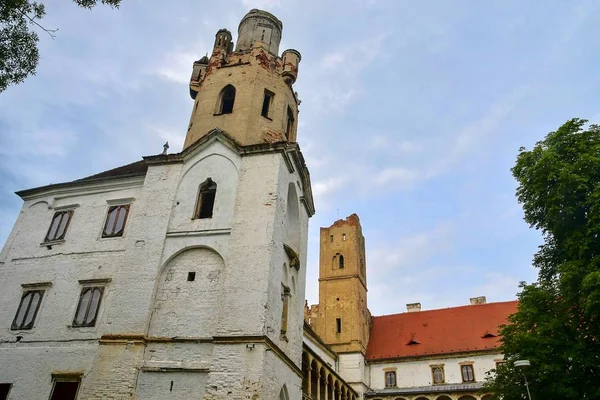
{"x":390,"y":379}
{"x":226,"y":100}
{"x":206,"y":199}
{"x":341,"y":260}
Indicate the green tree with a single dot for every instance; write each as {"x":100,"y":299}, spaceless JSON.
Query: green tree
{"x":557,"y":325}
{"x":19,"y":21}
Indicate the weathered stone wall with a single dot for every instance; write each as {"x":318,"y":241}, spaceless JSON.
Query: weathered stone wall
{"x":250,"y":72}
{"x":342,"y":290}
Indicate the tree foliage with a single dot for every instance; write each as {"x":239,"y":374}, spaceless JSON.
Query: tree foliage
{"x":557,"y":325}
{"x":20,"y":20}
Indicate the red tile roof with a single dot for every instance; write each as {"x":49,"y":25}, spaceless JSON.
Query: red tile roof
{"x":443,"y":331}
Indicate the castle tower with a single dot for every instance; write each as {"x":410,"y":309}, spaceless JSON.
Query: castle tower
{"x":342,"y":319}
{"x":244,"y":103}
{"x":247,"y":92}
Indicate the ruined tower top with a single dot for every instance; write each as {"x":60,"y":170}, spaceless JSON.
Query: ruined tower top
{"x":259,"y":27}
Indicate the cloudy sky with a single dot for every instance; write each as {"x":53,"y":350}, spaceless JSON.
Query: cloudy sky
{"x":412,"y":115}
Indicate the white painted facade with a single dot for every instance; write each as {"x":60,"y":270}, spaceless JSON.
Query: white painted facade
{"x":418,"y":372}
{"x":240,"y":266}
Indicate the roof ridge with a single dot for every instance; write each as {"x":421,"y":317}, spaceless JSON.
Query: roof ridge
{"x":447,"y":308}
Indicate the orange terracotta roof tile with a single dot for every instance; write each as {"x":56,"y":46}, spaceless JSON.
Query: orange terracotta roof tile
{"x":442,"y":331}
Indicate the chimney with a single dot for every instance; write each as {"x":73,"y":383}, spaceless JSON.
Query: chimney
{"x":478,"y":300}
{"x":413,"y":307}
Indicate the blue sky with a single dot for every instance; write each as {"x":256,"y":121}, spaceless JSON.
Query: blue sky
{"x":412,"y":115}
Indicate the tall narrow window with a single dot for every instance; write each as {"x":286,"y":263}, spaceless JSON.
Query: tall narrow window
{"x":467,"y":373}
{"x":64,"y":389}
{"x":285,"y":297}
{"x":28,"y":308}
{"x":338,"y":325}
{"x":437,"y":374}
{"x":390,"y":379}
{"x":226,"y":101}
{"x":115,"y":221}
{"x":341,"y":260}
{"x":58,"y":226}
{"x":266,"y":103}
{"x":290,"y":124}
{"x":89,"y":304}
{"x":206,"y":199}
{"x":4,"y":389}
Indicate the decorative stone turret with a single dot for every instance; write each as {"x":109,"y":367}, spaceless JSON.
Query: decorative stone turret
{"x":291,"y":59}
{"x":223,"y":40}
{"x":197,"y":73}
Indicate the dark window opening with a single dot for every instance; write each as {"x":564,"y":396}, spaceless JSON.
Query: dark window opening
{"x":58,"y":226}
{"x":341,"y":261}
{"x":390,"y":379}
{"x":266,"y":104}
{"x":290,"y":124}
{"x":191,"y":276}
{"x":338,"y":325}
{"x":89,"y":304}
{"x":115,"y":221}
{"x":227,"y":100}
{"x":206,"y":199}
{"x":65,"y":390}
{"x":28,"y":309}
{"x":331,"y":238}
{"x":4,"y":389}
{"x":467,"y":373}
{"x":344,"y":236}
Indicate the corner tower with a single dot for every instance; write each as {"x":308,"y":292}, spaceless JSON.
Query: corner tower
{"x":248,"y":92}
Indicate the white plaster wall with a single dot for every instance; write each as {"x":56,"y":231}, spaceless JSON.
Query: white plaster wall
{"x":178,"y":355}
{"x":29,"y":367}
{"x":418,"y":373}
{"x":185,"y":308}
{"x":247,"y":232}
{"x":171,"y":385}
{"x":83,"y":255}
{"x":219,"y":163}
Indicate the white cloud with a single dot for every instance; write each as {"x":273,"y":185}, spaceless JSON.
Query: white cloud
{"x":177,"y":66}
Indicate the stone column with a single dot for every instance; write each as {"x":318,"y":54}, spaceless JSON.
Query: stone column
{"x":318,"y":382}
{"x":309,"y":378}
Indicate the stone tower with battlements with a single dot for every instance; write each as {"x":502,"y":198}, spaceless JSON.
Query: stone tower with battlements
{"x":342,"y":319}
{"x":247,"y":92}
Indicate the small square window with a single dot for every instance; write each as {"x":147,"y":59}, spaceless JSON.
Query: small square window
{"x":267,"y":100}
{"x":191,"y":276}
{"x":58,"y":226}
{"x":64,"y":389}
{"x":467,"y":373}
{"x":438,"y":375}
{"x":500,"y":363}
{"x":115,"y":221}
{"x":28,"y":309}
{"x":89,"y":304}
{"x":390,"y":379}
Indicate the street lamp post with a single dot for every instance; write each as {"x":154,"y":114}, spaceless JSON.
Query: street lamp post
{"x":523,"y":365}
